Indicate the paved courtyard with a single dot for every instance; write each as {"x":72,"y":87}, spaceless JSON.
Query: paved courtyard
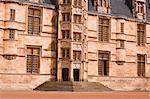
{"x":72,"y":95}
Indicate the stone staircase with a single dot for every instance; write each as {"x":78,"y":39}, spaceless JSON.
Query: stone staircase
{"x":72,"y":87}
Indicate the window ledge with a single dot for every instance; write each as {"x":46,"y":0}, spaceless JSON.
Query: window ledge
{"x":9,"y":40}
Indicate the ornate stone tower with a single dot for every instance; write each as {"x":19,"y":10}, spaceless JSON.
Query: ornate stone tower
{"x":72,"y":40}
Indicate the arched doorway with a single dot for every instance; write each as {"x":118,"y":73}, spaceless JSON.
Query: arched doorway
{"x":76,"y":74}
{"x":65,"y":74}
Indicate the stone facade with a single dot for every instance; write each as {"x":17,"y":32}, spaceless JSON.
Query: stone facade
{"x":123,"y":63}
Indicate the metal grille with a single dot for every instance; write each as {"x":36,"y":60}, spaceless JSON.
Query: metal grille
{"x":103,"y":34}
{"x":12,"y":14}
{"x":103,"y":63}
{"x":11,"y":34}
{"x":141,"y":34}
{"x":141,"y":65}
{"x":34,"y":17}
{"x":33,"y":60}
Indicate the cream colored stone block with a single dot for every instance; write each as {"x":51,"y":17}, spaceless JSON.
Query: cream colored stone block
{"x":93,"y":68}
{"x":92,"y":23}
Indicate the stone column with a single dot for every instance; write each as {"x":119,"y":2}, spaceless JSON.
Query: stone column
{"x":71,"y":72}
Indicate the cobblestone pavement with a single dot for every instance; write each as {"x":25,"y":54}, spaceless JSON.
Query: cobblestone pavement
{"x":72,"y":95}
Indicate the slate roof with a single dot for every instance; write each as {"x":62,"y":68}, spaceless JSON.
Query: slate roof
{"x":121,"y":8}
{"x":148,"y":10}
{"x":53,"y":2}
{"x":50,"y":1}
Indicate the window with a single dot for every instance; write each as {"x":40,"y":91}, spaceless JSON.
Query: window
{"x":140,"y":7}
{"x":65,"y":52}
{"x":33,"y":60}
{"x":12,"y":14}
{"x":77,"y":55}
{"x":12,"y":34}
{"x":77,"y":19}
{"x":65,"y":16}
{"x":103,"y":63}
{"x":66,"y":1}
{"x":103,"y":3}
{"x":94,"y":4}
{"x":122,"y":27}
{"x":78,"y":3}
{"x":121,"y":43}
{"x":141,"y":34}
{"x":34,"y":16}
{"x":141,"y":65}
{"x":65,"y":34}
{"x":53,"y":46}
{"x":76,"y":36}
{"x":103,"y":33}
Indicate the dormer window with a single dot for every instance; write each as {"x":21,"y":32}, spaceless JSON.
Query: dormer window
{"x":103,"y":3}
{"x":103,"y":6}
{"x":140,"y":7}
{"x":66,"y":1}
{"x":140,"y":10}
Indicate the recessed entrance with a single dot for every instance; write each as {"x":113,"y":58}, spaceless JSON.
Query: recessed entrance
{"x":76,"y":74}
{"x":65,"y":74}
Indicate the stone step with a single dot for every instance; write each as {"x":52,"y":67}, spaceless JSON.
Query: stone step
{"x":72,"y":86}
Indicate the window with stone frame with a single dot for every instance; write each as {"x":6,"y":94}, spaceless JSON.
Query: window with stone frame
{"x":12,"y":14}
{"x":77,"y":19}
{"x":78,"y":3}
{"x":11,"y":34}
{"x":65,"y":52}
{"x":103,"y":63}
{"x":77,"y":55}
{"x":140,"y":6}
{"x":65,"y":34}
{"x":94,"y":4}
{"x":122,"y":45}
{"x":141,"y":36}
{"x":103,"y":3}
{"x":66,"y":1}
{"x":122,"y":27}
{"x":53,"y":45}
{"x":77,"y":36}
{"x":65,"y":16}
{"x":33,"y":60}
{"x":104,"y":29}
{"x":141,"y":65}
{"x":34,"y":17}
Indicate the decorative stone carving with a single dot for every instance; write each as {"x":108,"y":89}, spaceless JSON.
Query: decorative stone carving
{"x":77,"y":47}
{"x":65,"y":44}
{"x":65,"y":8}
{"x":78,"y":11}
{"x":77,"y":28}
{"x":65,"y":63}
{"x":76,"y":65}
{"x":65,"y":25}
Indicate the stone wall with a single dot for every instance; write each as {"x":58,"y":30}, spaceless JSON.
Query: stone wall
{"x":13,"y":73}
{"x":124,"y":76}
